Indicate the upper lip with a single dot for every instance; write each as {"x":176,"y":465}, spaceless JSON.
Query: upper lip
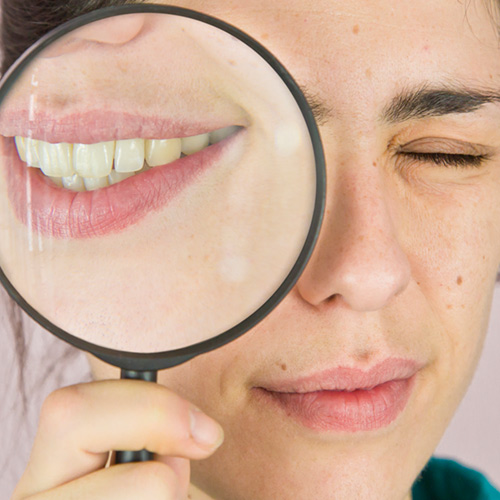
{"x":344,"y":378}
{"x":98,"y":126}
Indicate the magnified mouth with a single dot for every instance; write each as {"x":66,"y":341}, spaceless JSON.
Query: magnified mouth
{"x":82,"y":190}
{"x":87,"y":167}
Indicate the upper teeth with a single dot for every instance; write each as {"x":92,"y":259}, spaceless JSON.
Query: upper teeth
{"x":81,"y":167}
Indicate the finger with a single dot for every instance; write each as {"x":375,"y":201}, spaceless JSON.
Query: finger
{"x":181,"y":468}
{"x":79,"y":424}
{"x":149,"y":480}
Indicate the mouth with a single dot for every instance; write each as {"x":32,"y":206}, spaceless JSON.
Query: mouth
{"x":86,"y":167}
{"x":81,"y":190}
{"x":345,"y":399}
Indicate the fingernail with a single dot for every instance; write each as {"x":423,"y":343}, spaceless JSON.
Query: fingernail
{"x":204,"y":430}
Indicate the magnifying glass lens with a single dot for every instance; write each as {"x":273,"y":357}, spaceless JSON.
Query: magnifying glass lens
{"x":158,"y":181}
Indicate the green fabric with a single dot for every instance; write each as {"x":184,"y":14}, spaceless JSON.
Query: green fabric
{"x":444,"y":479}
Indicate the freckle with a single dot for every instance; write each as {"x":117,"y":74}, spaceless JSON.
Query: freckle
{"x":283,"y":367}
{"x":374,"y":163}
{"x":368,"y":73}
{"x":232,"y":62}
{"x":355,"y":29}
{"x":460,"y":280}
{"x":265,"y":36}
{"x":449,"y":306}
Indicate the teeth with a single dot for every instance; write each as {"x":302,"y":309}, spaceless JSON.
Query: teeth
{"x":86,"y":167}
{"x":161,"y":152}
{"x":91,"y":184}
{"x":32,"y":158}
{"x":57,"y":181}
{"x":56,"y":160}
{"x":219,"y":135}
{"x":93,"y":160}
{"x":74,"y":183}
{"x":129,"y":155}
{"x":191,"y":145}
{"x":21,"y":148}
{"x":115,"y":177}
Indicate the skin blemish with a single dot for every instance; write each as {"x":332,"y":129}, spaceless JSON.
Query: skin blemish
{"x":368,"y":73}
{"x":283,"y":367}
{"x":355,"y":29}
{"x":460,"y":280}
{"x":449,"y":306}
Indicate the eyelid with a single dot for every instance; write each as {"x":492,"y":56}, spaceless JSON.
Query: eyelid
{"x":445,"y":146}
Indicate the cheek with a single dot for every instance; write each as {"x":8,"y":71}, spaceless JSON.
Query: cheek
{"x":453,"y":240}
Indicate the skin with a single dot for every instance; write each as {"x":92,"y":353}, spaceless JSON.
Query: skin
{"x":405,"y":266}
{"x":227,"y":242}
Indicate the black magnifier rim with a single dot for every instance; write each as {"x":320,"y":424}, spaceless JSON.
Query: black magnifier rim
{"x":160,"y":360}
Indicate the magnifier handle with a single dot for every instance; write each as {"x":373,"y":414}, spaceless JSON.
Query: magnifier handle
{"x":125,"y":457}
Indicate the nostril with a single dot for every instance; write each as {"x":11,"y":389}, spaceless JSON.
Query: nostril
{"x":116,"y":30}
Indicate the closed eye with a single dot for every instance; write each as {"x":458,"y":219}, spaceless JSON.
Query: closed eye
{"x":447,"y":159}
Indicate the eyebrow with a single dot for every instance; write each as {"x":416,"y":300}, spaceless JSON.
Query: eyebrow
{"x":426,"y":102}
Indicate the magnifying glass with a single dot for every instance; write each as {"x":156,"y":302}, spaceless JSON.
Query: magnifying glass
{"x":162,"y":185}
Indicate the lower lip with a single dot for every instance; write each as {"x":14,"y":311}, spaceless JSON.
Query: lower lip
{"x":342,"y":411}
{"x":61,"y":213}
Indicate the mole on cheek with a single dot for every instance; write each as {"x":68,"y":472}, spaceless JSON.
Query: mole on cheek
{"x":460,"y":280}
{"x":355,"y":29}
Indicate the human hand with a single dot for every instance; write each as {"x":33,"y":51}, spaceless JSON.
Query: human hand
{"x":81,"y":423}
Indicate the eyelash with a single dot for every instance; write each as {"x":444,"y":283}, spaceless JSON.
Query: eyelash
{"x":447,"y":159}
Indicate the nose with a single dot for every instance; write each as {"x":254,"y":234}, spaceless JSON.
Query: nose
{"x":358,"y":259}
{"x":116,"y":30}
{"x":113,"y":30}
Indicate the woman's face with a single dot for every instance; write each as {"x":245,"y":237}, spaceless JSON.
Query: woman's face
{"x":406,"y":98}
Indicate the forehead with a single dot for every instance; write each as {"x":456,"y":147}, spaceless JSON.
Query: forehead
{"x":376,"y":43}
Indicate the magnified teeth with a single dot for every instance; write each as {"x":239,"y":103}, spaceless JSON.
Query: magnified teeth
{"x":32,"y":158}
{"x":86,"y":167}
{"x":93,"y":160}
{"x":129,"y":155}
{"x":57,"y":181}
{"x":161,"y":152}
{"x":21,"y":148}
{"x":56,"y":160}
{"x":191,"y":145}
{"x":115,"y":177}
{"x":74,"y":183}
{"x":92,"y":184}
{"x":219,"y":135}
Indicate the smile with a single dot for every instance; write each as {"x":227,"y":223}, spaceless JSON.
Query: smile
{"x":87,"y":189}
{"x":87,"y":167}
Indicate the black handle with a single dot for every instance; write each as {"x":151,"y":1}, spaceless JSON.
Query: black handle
{"x":125,"y":457}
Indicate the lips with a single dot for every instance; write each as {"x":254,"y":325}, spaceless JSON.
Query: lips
{"x":345,"y":399}
{"x":60,"y":213}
